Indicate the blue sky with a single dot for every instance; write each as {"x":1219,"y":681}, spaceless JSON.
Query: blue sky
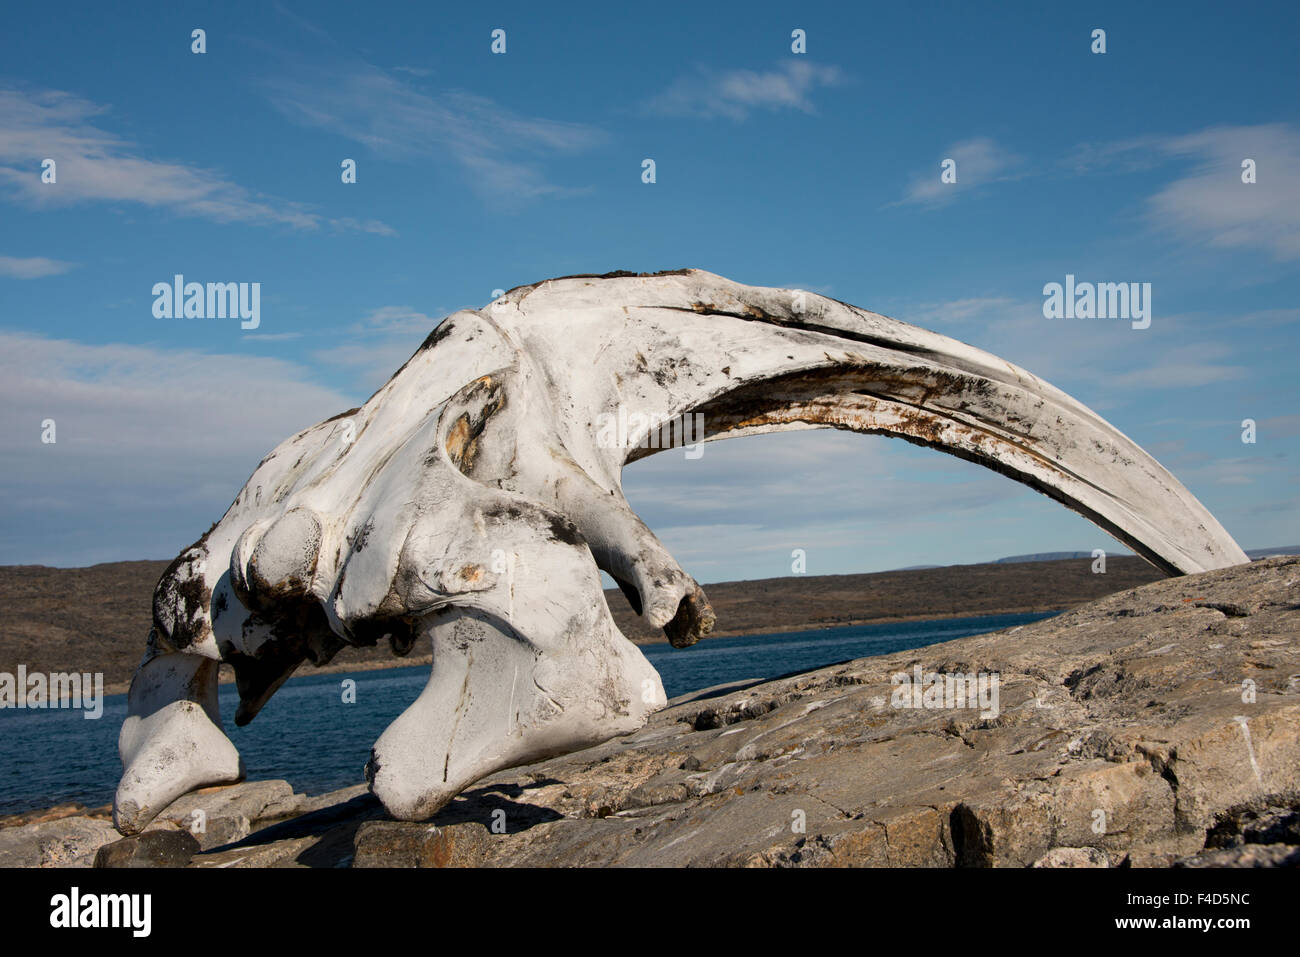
{"x":479,"y":172}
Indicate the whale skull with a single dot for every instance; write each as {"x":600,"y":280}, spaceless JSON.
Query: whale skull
{"x":470,"y":501}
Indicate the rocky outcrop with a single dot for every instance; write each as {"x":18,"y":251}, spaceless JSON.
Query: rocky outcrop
{"x":156,"y":848}
{"x":1159,"y":726}
{"x":64,"y":841}
{"x":224,"y":815}
{"x":1251,"y":837}
{"x":1129,"y":731}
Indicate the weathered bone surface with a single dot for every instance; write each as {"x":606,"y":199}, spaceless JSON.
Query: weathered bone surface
{"x":472,"y":500}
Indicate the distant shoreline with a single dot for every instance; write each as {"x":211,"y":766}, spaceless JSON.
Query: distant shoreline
{"x":227,"y":674}
{"x":97,"y":619}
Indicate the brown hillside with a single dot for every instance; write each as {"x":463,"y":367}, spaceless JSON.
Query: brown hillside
{"x":96,"y":619}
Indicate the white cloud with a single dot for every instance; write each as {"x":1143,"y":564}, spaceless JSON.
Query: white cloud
{"x":34,"y":267}
{"x":272,"y":336}
{"x":928,"y":315}
{"x":1281,"y":426}
{"x":737,"y":93}
{"x":374,"y":348}
{"x":152,"y":443}
{"x":1071,"y":353}
{"x":401,"y":320}
{"x":852,"y":502}
{"x":95,"y":165}
{"x":129,"y":399}
{"x":1194,"y":364}
{"x":1209,"y":203}
{"x":364,"y":226}
{"x":1268,"y":318}
{"x":495,"y":147}
{"x":979,"y":161}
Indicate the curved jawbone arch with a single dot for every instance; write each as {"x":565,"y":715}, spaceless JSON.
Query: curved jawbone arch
{"x":472,"y":500}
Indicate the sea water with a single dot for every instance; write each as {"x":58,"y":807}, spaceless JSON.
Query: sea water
{"x":309,"y":736}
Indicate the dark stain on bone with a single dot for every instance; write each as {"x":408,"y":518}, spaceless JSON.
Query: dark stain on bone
{"x":555,"y":526}
{"x":563,"y":530}
{"x":441,"y":331}
{"x":753,"y":313}
{"x":182,"y":597}
{"x":361,"y":537}
{"x":342,"y":415}
{"x":616,"y":274}
{"x":466,"y":631}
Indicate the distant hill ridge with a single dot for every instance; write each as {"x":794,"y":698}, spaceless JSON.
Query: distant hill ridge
{"x":1061,"y":556}
{"x":1050,"y":557}
{"x":96,"y":619}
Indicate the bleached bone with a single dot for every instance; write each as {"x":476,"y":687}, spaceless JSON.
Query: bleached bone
{"x":470,"y":500}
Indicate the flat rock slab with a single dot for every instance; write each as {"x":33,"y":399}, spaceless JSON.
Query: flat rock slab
{"x":67,"y":841}
{"x":1132,"y":730}
{"x":159,"y":848}
{"x":1248,"y":855}
{"x":406,"y":844}
{"x":218,"y":816}
{"x":322,"y":835}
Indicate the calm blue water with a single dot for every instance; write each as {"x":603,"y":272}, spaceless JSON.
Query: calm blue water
{"x":306,"y":734}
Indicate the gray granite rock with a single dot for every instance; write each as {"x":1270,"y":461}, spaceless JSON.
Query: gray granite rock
{"x":415,"y":844}
{"x":223,"y":815}
{"x":156,"y":848}
{"x":65,"y":842}
{"x":1247,"y":855}
{"x":1127,"y":730}
{"x":1073,"y":857}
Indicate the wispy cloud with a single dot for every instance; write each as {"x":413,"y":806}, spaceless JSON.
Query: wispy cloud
{"x":743,"y":506}
{"x":497,"y":150}
{"x":1178,"y":350}
{"x":397,"y":320}
{"x":1213,"y":205}
{"x":1284,"y":426}
{"x":33,"y":267}
{"x":1196,"y":363}
{"x":927,"y":315}
{"x":95,"y":165}
{"x":978,"y":162}
{"x":736,"y":94}
{"x":376,"y":346}
{"x":1209,"y":203}
{"x":272,"y":336}
{"x":364,"y":226}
